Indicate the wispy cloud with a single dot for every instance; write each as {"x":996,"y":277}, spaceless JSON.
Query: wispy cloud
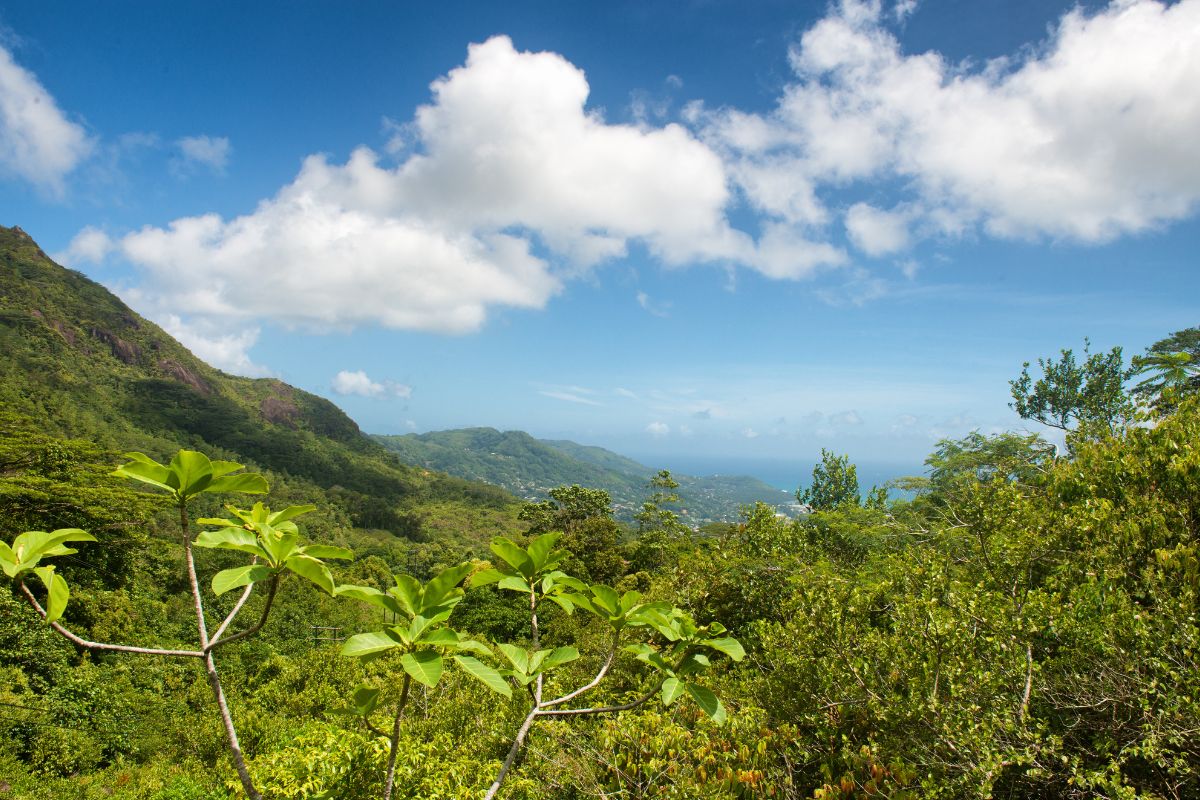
{"x":570,"y":397}
{"x":658,"y":310}
{"x":209,"y":152}
{"x":358,"y":383}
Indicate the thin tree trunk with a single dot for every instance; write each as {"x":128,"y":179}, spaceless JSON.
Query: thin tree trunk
{"x":210,"y":666}
{"x":235,"y":749}
{"x":512,"y":753}
{"x":395,"y":740}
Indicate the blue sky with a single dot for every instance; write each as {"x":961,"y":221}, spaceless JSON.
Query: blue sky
{"x":678,"y":230}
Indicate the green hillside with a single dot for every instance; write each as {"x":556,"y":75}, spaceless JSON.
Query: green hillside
{"x":530,"y":467}
{"x":77,"y":362}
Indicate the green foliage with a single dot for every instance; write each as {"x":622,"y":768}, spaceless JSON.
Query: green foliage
{"x":189,"y":474}
{"x":274,"y":539}
{"x":834,"y":484}
{"x":1171,"y":370}
{"x":532,"y":571}
{"x":26,"y":553}
{"x":424,"y":636}
{"x":1023,"y":458}
{"x":567,"y":508}
{"x":682,"y":755}
{"x":1087,"y":399}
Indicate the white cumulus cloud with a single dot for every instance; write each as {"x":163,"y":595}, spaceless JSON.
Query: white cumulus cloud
{"x":1088,"y":137}
{"x":507,"y":160}
{"x":38,"y":144}
{"x":226,"y":350}
{"x":876,"y":232}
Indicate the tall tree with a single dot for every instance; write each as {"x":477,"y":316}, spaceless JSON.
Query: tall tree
{"x":1171,"y":367}
{"x":567,"y":508}
{"x":1087,"y":399}
{"x":834,"y":484}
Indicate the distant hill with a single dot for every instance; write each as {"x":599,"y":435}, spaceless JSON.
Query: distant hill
{"x":530,"y":467}
{"x":77,"y":362}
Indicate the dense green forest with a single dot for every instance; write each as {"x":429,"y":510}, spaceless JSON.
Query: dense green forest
{"x":1024,"y":627}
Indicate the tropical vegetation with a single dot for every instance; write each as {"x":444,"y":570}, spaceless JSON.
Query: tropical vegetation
{"x":328,"y":622}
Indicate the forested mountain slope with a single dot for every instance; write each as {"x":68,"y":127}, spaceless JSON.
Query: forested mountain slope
{"x":77,"y":362}
{"x":530,"y":467}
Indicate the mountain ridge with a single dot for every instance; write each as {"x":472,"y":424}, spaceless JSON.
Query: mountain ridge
{"x":529,"y":467}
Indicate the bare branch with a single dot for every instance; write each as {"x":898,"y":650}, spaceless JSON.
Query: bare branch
{"x":262,"y":620}
{"x":116,"y":648}
{"x":512,"y":753}
{"x":236,"y":606}
{"x":574,"y":712}
{"x":594,"y":682}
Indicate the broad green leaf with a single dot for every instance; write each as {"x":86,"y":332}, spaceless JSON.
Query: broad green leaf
{"x":288,"y":513}
{"x":145,"y":469}
{"x":221,"y":522}
{"x":313,"y":570}
{"x":727,"y":645}
{"x":365,"y":700}
{"x":484,"y":577}
{"x":486,"y":675}
{"x":362,"y":644}
{"x":647,"y":654}
{"x":694,"y":664}
{"x":639,"y":649}
{"x":515,"y":556}
{"x":228,"y":579}
{"x":519,"y":656}
{"x":472,"y":646}
{"x":708,"y":702}
{"x":440,"y":613}
{"x":368,"y":594}
{"x":515,"y":583}
{"x":408,"y":592}
{"x":56,"y":592}
{"x":190,"y":472}
{"x":671,"y":689}
{"x":716,"y":628}
{"x":438,"y":637}
{"x":279,"y":545}
{"x":30,"y":546}
{"x":581,"y":601}
{"x":443,"y":584}
{"x":653,"y":618}
{"x":559,"y":656}
{"x":540,"y":548}
{"x":231,"y":539}
{"x":417,"y":626}
{"x":629,"y":600}
{"x":563,"y":579}
{"x":328,"y":551}
{"x":425,"y":666}
{"x":220,"y":468}
{"x":605,"y":598}
{"x":556,"y":558}
{"x":246,"y":483}
{"x":8,"y":561}
{"x":563,"y":603}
